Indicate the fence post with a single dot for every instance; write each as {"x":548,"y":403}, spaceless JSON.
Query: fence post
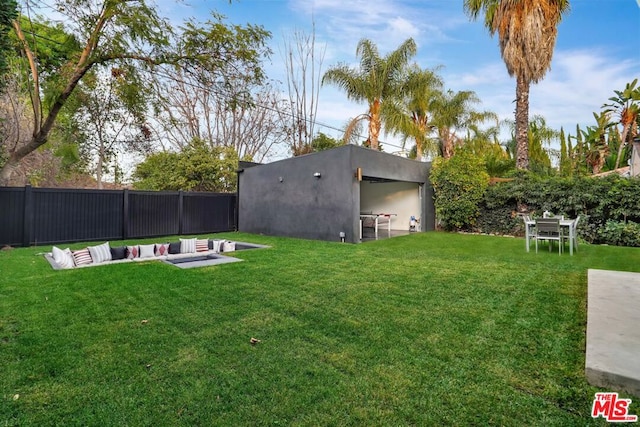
{"x":125,"y":214}
{"x":233,"y":212}
{"x":180,"y":211}
{"x":27,"y":228}
{"x":236,"y":214}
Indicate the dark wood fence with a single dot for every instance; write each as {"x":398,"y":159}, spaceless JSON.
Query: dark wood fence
{"x":34,"y":216}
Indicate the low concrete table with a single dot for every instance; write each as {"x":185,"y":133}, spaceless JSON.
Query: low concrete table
{"x":613,"y":331}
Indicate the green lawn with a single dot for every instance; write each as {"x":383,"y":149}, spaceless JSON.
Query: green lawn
{"x":426,"y":329}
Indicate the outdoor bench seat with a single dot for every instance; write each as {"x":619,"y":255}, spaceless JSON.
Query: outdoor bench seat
{"x":93,"y":256}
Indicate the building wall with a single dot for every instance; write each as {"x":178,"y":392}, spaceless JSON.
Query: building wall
{"x":284,"y":198}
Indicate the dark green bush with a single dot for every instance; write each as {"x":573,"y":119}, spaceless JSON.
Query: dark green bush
{"x":598,"y":201}
{"x":621,"y":233}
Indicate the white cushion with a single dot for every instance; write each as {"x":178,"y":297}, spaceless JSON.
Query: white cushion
{"x":216,"y":245}
{"x":63,"y":257}
{"x":229,"y":246}
{"x":100,"y":253}
{"x":147,"y":251}
{"x":187,"y":246}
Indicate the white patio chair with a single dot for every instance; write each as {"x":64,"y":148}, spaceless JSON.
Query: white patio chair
{"x":529,"y":229}
{"x":549,"y":229}
{"x":575,"y":233}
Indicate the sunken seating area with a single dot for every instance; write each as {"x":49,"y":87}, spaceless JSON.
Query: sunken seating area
{"x":171,"y":252}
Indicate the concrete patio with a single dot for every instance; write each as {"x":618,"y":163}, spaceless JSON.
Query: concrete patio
{"x":613,"y":331}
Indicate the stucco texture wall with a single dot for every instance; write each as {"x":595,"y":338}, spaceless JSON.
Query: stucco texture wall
{"x":284,"y":198}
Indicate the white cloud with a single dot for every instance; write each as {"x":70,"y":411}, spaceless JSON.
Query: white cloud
{"x":402,"y":28}
{"x":579,"y":83}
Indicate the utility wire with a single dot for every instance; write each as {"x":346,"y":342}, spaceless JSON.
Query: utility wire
{"x":229,"y":96}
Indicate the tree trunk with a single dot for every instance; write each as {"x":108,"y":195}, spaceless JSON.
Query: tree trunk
{"x":374,"y":125}
{"x":419,"y":149}
{"x":447,"y":147}
{"x":41,"y":128}
{"x":522,"y":123}
{"x":7,"y":171}
{"x":100,"y":165}
{"x":41,"y":135}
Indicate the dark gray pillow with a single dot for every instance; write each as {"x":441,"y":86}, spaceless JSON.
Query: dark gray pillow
{"x":174,"y":247}
{"x":119,"y":252}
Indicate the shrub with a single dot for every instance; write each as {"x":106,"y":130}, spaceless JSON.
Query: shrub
{"x":621,"y":233}
{"x":598,"y":201}
{"x":459,"y":184}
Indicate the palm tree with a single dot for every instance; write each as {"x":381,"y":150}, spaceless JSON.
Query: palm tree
{"x":452,"y":111}
{"x":540,"y":134}
{"x":484,"y":142}
{"x":376,"y":81}
{"x":421,"y":89}
{"x":527,"y":31}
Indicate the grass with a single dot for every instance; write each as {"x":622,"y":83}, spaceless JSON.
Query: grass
{"x":426,"y":329}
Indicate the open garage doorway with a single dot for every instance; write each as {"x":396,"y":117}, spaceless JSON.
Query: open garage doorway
{"x":388,"y":206}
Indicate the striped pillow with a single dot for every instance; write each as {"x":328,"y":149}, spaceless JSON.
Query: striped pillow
{"x":202,"y":245}
{"x":63,"y":257}
{"x":187,"y":246}
{"x":82,"y":257}
{"x":214,"y":245}
{"x":100,"y":253}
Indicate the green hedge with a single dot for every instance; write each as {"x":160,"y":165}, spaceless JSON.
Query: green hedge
{"x":609,"y":207}
{"x":459,"y":184}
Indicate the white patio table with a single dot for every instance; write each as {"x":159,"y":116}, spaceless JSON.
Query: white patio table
{"x":376,"y":222}
{"x":568,"y":224}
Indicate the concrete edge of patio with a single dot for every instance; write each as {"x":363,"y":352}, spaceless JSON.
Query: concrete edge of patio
{"x":613,"y":334}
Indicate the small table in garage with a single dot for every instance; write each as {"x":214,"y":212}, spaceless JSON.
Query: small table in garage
{"x":375,"y":220}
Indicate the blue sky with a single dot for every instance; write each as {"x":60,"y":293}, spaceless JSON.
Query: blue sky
{"x":597,"y":49}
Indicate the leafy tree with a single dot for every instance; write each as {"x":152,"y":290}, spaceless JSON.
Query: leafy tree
{"x":578,"y":157}
{"x":199,"y":167}
{"x":377,"y":82}
{"x":111,"y":120}
{"x":159,"y":171}
{"x":8,"y":12}
{"x":130,"y":35}
{"x":527,"y":31}
{"x":566,"y":167}
{"x":459,"y":184}
{"x":323,"y":142}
